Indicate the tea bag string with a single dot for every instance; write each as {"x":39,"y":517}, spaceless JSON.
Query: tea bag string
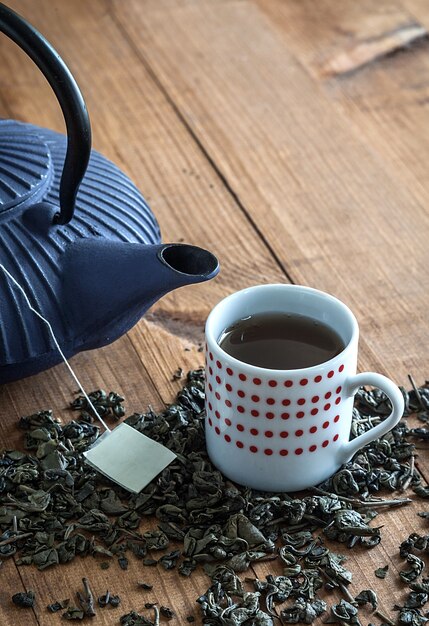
{"x":57,"y":345}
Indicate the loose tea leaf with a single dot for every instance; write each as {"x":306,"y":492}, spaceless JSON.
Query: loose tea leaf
{"x":344,"y":612}
{"x":135,"y":619}
{"x":416,"y":568}
{"x":145,"y":586}
{"x":24,"y":599}
{"x":367,"y":596}
{"x":104,"y":600}
{"x":58,"y":606}
{"x":169,"y":560}
{"x":86,"y":599}
{"x":381,"y":572}
{"x":123,"y":562}
{"x":74,"y":613}
{"x":166,"y":612}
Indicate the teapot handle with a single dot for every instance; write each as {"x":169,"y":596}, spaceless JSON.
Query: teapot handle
{"x":71,"y":101}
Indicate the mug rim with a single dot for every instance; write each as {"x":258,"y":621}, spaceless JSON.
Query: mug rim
{"x":302,"y":288}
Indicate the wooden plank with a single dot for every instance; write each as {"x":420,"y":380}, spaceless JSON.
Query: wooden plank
{"x":419,"y":9}
{"x":361,"y":32}
{"x":156,"y":153}
{"x":331,"y":206}
{"x":338,"y":229}
{"x":384,"y":102}
{"x":137,"y":127}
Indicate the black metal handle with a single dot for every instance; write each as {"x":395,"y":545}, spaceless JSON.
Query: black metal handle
{"x":71,"y":101}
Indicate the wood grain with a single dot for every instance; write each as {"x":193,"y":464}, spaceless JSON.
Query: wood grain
{"x":135,"y":125}
{"x":331,"y":206}
{"x":219,"y":112}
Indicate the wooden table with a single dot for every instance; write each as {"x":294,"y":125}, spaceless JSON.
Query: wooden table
{"x":285,"y":136}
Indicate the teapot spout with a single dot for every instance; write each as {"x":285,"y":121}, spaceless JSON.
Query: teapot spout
{"x":108,"y":286}
{"x":188,"y":264}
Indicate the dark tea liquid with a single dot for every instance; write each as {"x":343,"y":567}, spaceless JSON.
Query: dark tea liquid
{"x":281,"y":341}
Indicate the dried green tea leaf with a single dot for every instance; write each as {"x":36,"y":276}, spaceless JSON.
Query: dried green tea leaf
{"x":145,"y":586}
{"x":187,"y":566}
{"x":169,"y":560}
{"x":86,"y":599}
{"x":367,"y":596}
{"x":166,"y":612}
{"x":411,"y":617}
{"x":58,"y":606}
{"x":115,"y":601}
{"x":345,"y":612}
{"x":24,"y":599}
{"x":416,"y":567}
{"x":381,"y":572}
{"x":73,"y":613}
{"x":416,"y":599}
{"x":303,"y":611}
{"x":123,"y":562}
{"x":135,"y":619}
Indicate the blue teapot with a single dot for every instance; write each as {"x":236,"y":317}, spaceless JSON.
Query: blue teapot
{"x":75,"y":233}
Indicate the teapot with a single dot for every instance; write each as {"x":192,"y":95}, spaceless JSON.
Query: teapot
{"x":75,"y":233}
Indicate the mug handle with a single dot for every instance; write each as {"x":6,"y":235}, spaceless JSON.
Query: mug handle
{"x":395,"y":396}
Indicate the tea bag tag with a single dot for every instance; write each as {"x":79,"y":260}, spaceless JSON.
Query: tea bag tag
{"x":128,"y":457}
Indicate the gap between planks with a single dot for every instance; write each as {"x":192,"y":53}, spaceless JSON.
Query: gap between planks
{"x":218,"y":171}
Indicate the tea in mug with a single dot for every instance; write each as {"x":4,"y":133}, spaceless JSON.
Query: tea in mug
{"x":281,"y":341}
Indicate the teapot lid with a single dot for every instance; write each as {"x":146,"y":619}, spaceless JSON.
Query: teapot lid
{"x":25,"y":164}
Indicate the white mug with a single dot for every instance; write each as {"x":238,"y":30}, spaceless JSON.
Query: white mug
{"x":286,"y":430}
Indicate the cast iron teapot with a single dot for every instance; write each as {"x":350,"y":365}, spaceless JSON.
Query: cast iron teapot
{"x":90,"y":262}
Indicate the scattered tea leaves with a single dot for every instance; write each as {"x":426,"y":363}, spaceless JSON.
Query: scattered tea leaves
{"x":54,"y":508}
{"x":107,"y":405}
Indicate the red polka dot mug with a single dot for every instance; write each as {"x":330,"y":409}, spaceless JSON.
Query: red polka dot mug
{"x":286,"y":430}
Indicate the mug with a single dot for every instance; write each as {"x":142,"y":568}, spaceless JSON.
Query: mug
{"x":286,"y":430}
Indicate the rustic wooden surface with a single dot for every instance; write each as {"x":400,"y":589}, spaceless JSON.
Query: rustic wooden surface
{"x":288,"y":136}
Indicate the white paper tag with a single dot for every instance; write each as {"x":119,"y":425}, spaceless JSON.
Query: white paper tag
{"x":128,"y":457}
